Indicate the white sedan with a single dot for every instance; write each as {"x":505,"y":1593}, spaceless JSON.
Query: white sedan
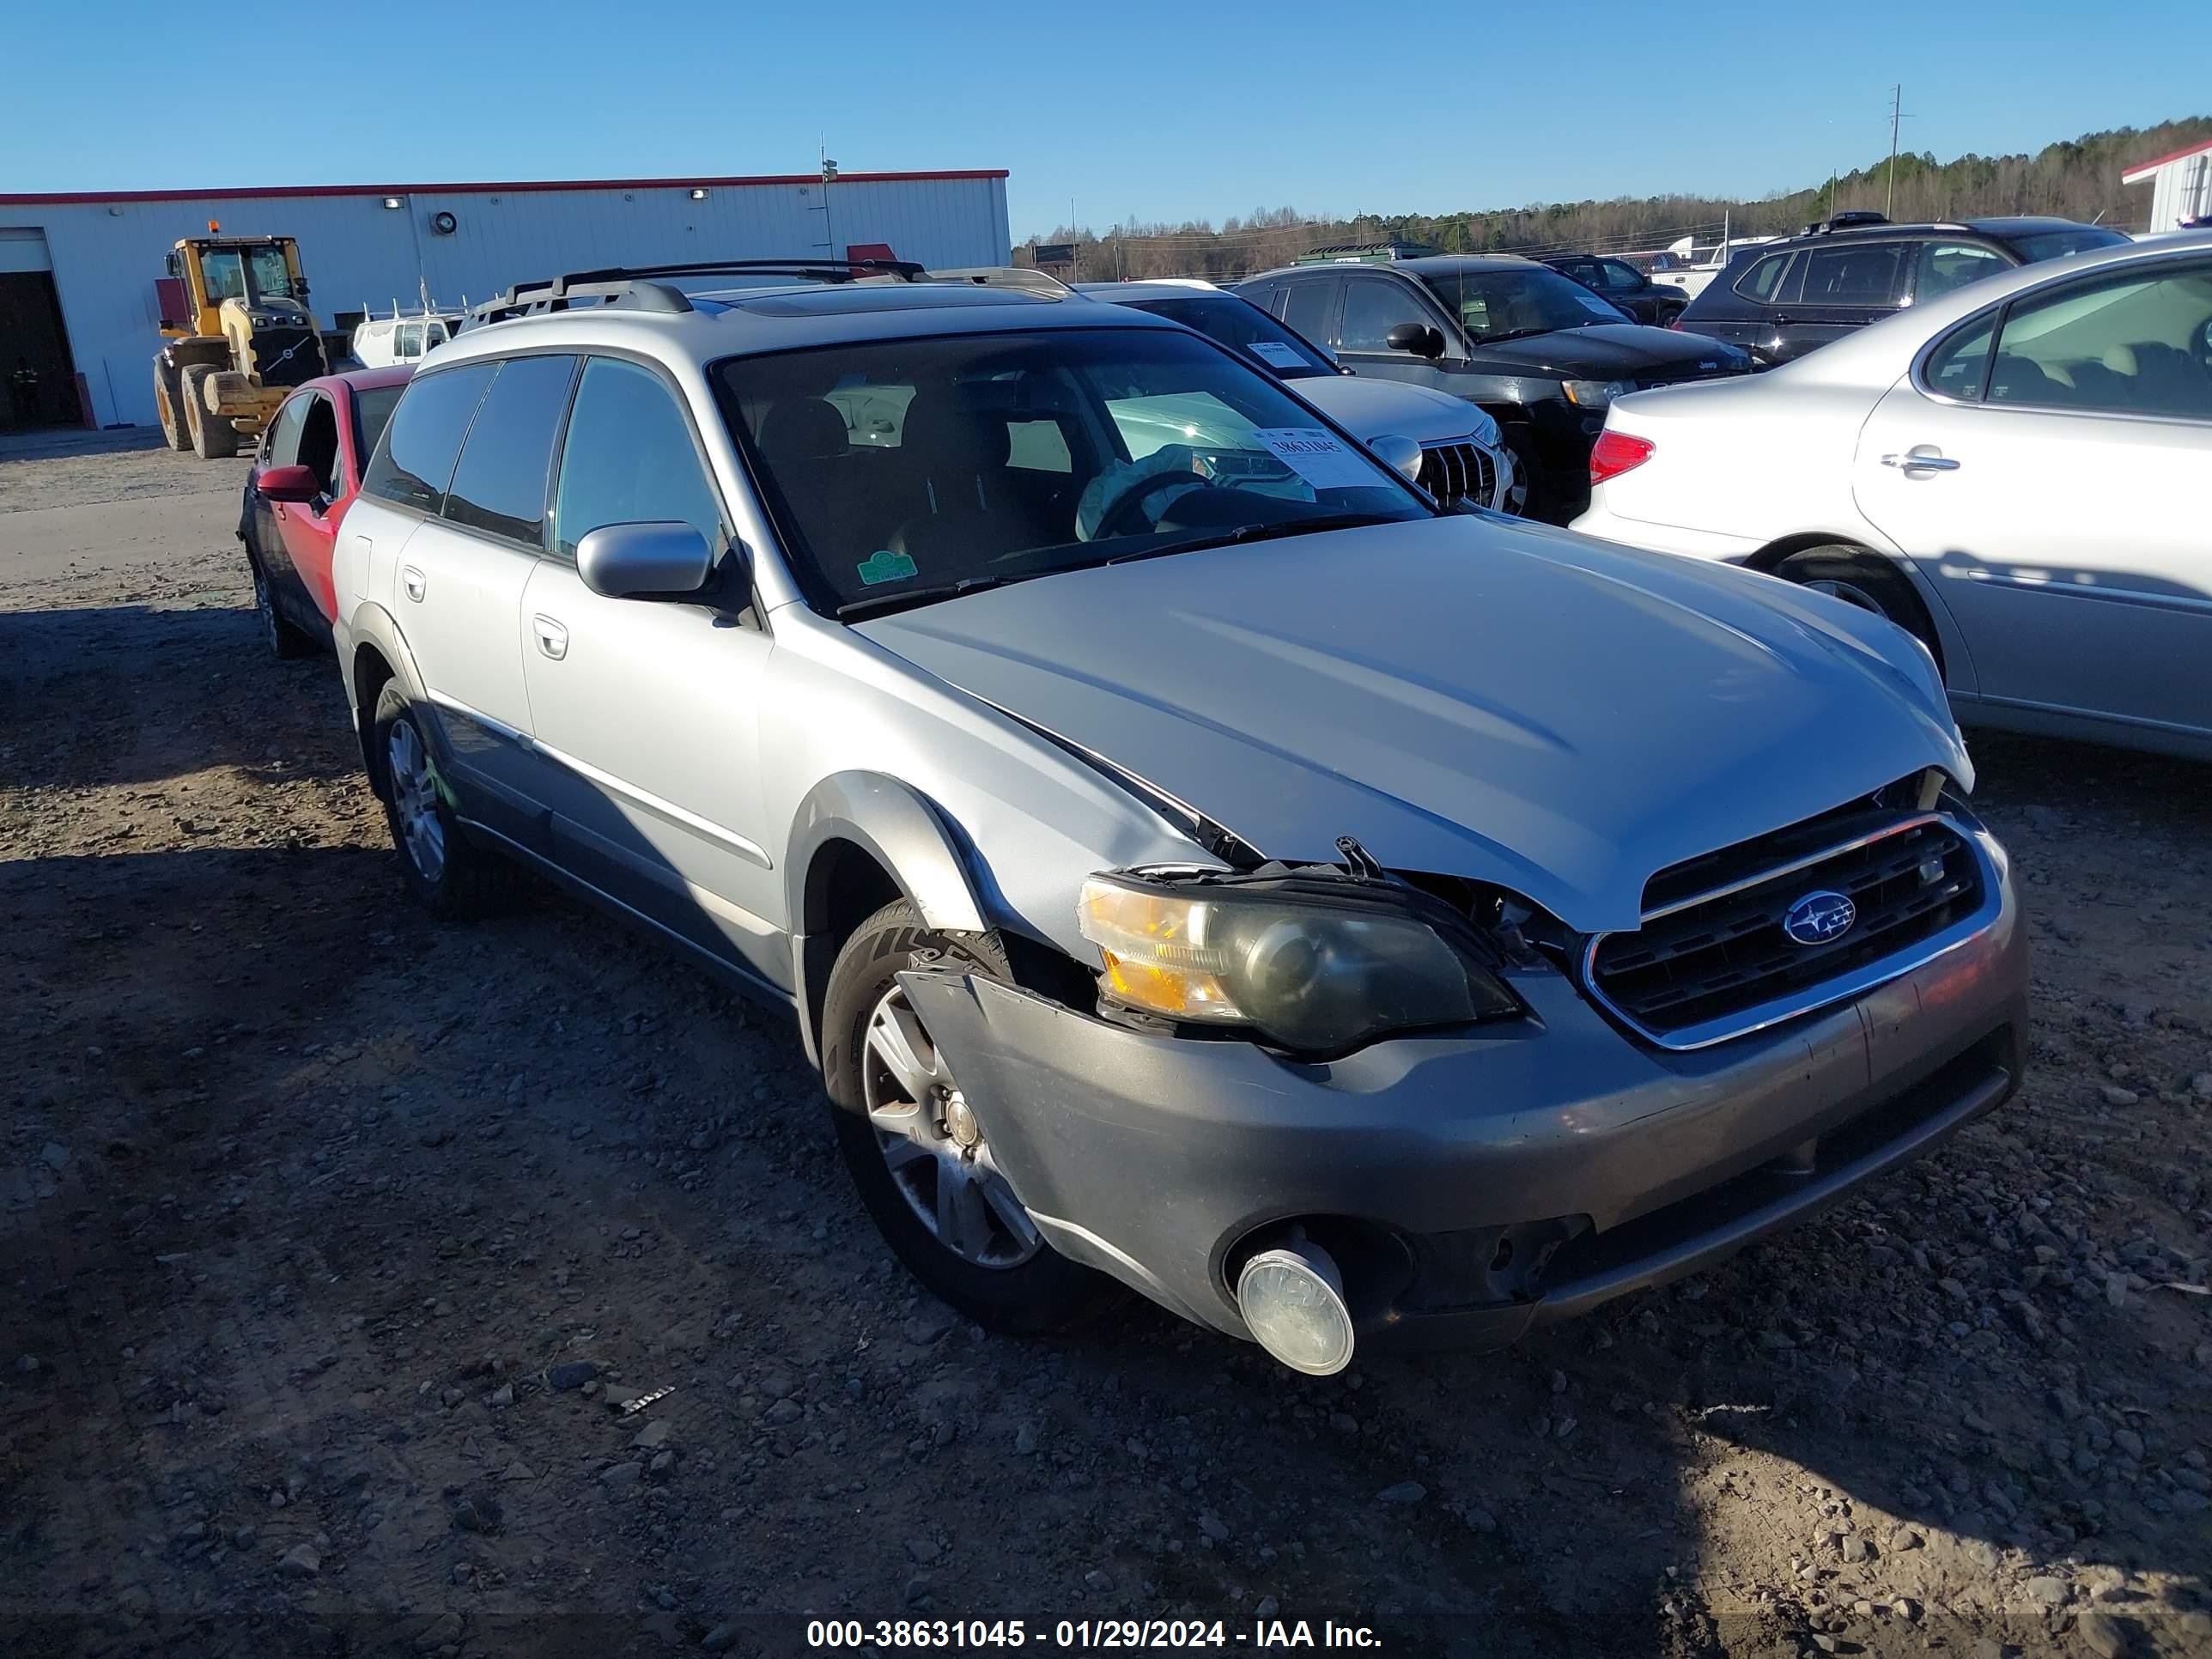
{"x":2019,"y":473}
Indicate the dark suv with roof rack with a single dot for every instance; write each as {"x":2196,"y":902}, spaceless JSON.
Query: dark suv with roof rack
{"x":1541,"y":353}
{"x":1779,"y":300}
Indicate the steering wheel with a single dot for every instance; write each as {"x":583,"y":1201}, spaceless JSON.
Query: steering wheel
{"x":1129,"y":504}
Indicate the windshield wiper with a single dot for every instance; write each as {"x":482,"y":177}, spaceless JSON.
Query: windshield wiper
{"x":1263,"y":533}
{"x":877,"y":603}
{"x":1512,"y":334}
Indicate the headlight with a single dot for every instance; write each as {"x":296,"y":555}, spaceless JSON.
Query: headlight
{"x":1596,"y":394}
{"x":1314,"y":974}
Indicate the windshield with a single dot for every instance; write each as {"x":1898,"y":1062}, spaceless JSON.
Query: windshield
{"x":900,"y":471}
{"x":2058,"y":244}
{"x":1244,"y":329}
{"x":372,"y":409}
{"x":1507,"y":304}
{"x":226,"y":270}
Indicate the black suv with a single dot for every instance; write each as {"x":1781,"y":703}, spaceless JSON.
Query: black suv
{"x":1541,"y":353}
{"x":1624,"y":284}
{"x":1780,"y":300}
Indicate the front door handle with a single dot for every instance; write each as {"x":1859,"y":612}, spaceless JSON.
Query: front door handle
{"x":411,"y":579}
{"x":1912,"y":462}
{"x":552,"y":638}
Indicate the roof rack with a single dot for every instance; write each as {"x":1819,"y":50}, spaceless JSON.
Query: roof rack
{"x":1365,"y":253}
{"x":1025,"y":277}
{"x":630,"y":284}
{"x":1849,"y":219}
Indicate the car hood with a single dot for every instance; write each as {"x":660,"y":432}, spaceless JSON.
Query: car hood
{"x":1373,"y":409}
{"x":1606,"y":351}
{"x":1466,"y":696}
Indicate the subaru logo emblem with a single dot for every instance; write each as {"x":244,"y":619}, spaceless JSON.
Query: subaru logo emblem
{"x":1819,"y":918}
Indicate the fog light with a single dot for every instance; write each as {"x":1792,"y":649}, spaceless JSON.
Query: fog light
{"x":1292,"y":1300}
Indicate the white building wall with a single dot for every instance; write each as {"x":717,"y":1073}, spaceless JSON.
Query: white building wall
{"x":106,"y":255}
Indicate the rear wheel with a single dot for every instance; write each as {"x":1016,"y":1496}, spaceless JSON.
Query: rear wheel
{"x":1859,"y":576}
{"x":1520,"y":495}
{"x":450,"y":874}
{"x":168,"y":403}
{"x":214,"y":438}
{"x":916,"y":1151}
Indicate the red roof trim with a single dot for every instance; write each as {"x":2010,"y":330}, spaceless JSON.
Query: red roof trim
{"x":2129,"y":175}
{"x":278,"y":192}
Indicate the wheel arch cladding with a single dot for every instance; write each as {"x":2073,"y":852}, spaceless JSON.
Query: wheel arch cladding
{"x":378,"y":657}
{"x":858,"y":840}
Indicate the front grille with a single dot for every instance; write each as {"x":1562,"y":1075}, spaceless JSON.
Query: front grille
{"x":286,"y":356}
{"x":1699,"y":961}
{"x":1451,"y":470}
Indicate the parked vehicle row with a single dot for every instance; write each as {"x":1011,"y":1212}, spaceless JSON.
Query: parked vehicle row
{"x":1623,"y":285}
{"x":1783,"y":299}
{"x":2013,"y":472}
{"x":1541,"y":354}
{"x":1194,"y":859}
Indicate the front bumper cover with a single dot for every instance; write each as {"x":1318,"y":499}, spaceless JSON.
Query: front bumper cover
{"x":1157,"y":1158}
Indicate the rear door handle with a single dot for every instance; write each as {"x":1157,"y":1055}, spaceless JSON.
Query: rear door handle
{"x":1912,"y":463}
{"x":412,"y":580}
{"x":552,"y":638}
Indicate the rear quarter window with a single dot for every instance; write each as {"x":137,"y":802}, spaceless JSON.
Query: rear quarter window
{"x":414,"y":463}
{"x":1763,"y":282}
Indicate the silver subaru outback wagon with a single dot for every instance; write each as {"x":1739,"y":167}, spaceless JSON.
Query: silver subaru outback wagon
{"x":1194,"y":859}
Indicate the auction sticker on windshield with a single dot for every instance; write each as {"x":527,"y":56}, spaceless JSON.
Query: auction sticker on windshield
{"x":1318,"y":457}
{"x":1591,"y":302}
{"x":1276,"y":355}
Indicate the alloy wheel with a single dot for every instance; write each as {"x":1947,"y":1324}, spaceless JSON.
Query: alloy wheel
{"x":934,"y":1146}
{"x":1849,"y":593}
{"x":415,"y":799}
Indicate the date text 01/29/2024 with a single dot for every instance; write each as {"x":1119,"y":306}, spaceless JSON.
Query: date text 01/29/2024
{"x":1085,"y":1634}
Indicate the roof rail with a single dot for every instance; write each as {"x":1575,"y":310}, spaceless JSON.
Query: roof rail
{"x":1364,"y":253}
{"x":619,"y":283}
{"x":1025,"y":277}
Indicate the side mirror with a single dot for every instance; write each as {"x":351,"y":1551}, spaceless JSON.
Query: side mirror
{"x":632,"y":561}
{"x":288,"y":483}
{"x":1401,"y":455}
{"x":1422,"y":339}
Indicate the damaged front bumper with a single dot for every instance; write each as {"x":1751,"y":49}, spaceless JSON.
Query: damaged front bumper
{"x":1479,"y":1183}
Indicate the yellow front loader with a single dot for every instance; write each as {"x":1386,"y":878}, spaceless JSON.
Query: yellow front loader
{"x":236,"y":337}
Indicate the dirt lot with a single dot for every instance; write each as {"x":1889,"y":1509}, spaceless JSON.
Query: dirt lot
{"x":303,"y":1199}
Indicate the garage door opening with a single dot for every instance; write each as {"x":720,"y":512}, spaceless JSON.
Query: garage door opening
{"x":37,"y":376}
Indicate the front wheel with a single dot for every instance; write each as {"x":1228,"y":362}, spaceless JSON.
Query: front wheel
{"x":916,"y":1150}
{"x":214,"y":438}
{"x":285,"y":640}
{"x":169,"y":404}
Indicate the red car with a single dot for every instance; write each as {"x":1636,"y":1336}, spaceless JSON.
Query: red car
{"x":305,"y":476}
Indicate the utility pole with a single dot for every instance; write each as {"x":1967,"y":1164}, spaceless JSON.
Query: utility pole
{"x":1896,"y":114}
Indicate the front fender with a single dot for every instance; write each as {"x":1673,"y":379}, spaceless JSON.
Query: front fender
{"x":901,"y":830}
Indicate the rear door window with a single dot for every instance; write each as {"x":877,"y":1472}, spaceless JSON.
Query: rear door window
{"x":1617,"y":277}
{"x":500,"y":486}
{"x":1857,"y":273}
{"x":412,"y":465}
{"x":1307,"y":305}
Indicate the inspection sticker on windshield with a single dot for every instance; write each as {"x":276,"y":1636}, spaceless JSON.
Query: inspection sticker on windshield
{"x":1591,"y":302}
{"x":1276,"y":355}
{"x":885,"y":565}
{"x":1317,"y":456}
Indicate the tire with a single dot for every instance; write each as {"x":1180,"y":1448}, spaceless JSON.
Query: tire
{"x":1522,"y":500}
{"x":1007,"y":1278}
{"x":169,"y":404}
{"x":214,"y":438}
{"x":1858,"y":576}
{"x":286,"y":641}
{"x":452,"y":877}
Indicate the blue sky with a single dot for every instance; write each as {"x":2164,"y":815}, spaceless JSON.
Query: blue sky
{"x":1132,"y":110}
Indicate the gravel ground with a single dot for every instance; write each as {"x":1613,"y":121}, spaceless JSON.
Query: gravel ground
{"x":314,"y":1214}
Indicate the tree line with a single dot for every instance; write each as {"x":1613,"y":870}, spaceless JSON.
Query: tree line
{"x":2077,"y":179}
